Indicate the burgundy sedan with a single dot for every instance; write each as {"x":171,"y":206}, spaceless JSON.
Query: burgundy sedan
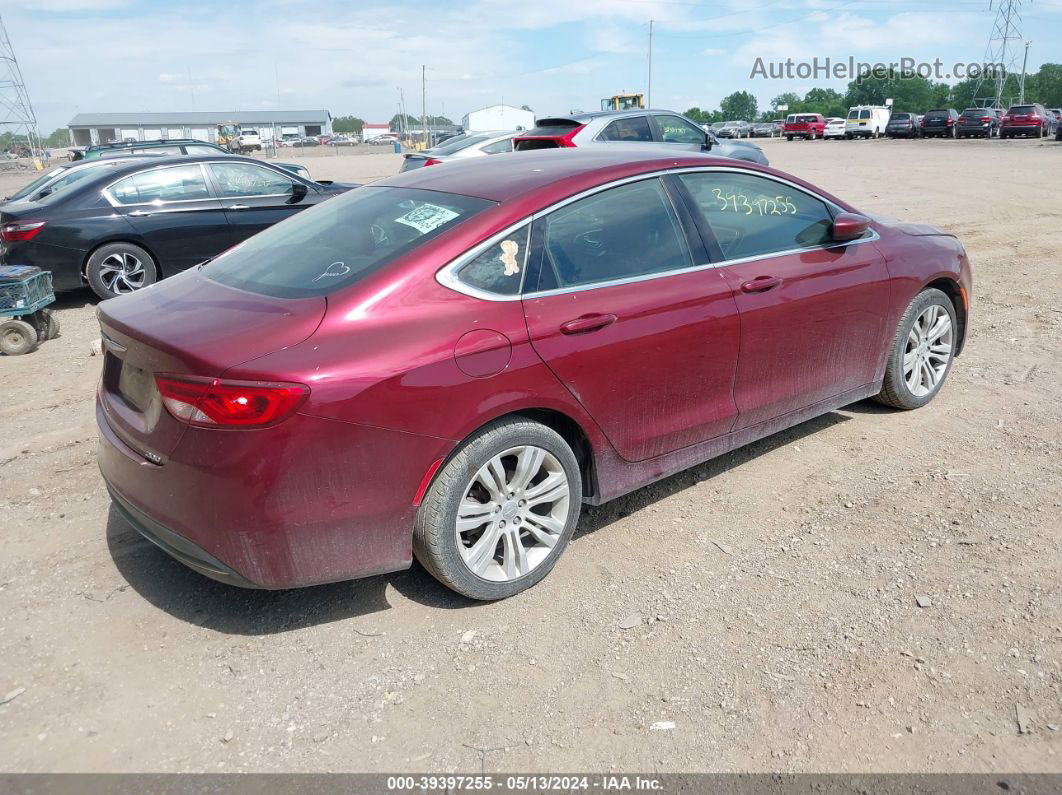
{"x":451,"y":362}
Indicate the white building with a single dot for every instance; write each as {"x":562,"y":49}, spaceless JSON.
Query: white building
{"x":89,"y":129}
{"x":498,"y":117}
{"x":370,"y":131}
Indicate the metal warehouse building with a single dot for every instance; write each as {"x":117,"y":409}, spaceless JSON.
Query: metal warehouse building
{"x":87,"y":129}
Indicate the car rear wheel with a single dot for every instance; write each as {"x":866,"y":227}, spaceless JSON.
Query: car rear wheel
{"x":922,"y":352}
{"x":501,"y":511}
{"x":120,"y":268}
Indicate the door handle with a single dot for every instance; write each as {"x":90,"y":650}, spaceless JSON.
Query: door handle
{"x":761,"y":284}
{"x":139,"y":214}
{"x":238,"y":207}
{"x":587,"y":323}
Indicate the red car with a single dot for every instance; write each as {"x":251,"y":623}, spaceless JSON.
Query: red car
{"x":450,"y":362}
{"x":804,"y":125}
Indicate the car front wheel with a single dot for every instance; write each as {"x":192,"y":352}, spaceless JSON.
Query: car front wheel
{"x":501,"y":511}
{"x":119,"y":268}
{"x":922,"y":352}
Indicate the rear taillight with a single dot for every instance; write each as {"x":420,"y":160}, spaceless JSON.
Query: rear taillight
{"x":18,"y":231}
{"x":431,"y":161}
{"x":986,"y":118}
{"x":212,"y":403}
{"x":951,"y":120}
{"x":922,"y":123}
{"x":566,"y":140}
{"x":1034,"y":117}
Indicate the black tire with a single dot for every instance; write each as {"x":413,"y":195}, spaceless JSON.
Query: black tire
{"x":789,"y":137}
{"x":51,"y":325}
{"x":894,"y":390}
{"x":97,"y":269}
{"x":17,"y":337}
{"x":435,"y":542}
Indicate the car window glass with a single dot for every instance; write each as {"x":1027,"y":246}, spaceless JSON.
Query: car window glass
{"x":458,"y":143}
{"x":199,"y":149}
{"x":674,"y":130}
{"x":243,"y":179}
{"x":341,"y":240}
{"x":635,"y":128}
{"x":182,"y":183}
{"x":752,"y":215}
{"x":500,"y":268}
{"x":626,"y":231}
{"x":498,"y":147}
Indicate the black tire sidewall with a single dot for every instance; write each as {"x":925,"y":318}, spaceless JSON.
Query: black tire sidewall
{"x":92,"y":274}
{"x":440,"y":506}
{"x":894,"y":370}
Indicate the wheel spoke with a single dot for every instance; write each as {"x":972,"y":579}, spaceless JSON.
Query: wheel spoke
{"x":910,"y":359}
{"x":486,"y":477}
{"x":528,"y":464}
{"x":514,"y":556}
{"x":545,"y":529}
{"x":549,"y":490}
{"x":480,"y":555}
{"x":939,"y":329}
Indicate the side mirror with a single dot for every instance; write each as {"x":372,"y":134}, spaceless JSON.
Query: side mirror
{"x":849,"y":226}
{"x":298,"y":192}
{"x":707,"y":142}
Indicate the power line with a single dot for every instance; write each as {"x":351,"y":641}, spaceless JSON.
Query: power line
{"x":1002,"y":51}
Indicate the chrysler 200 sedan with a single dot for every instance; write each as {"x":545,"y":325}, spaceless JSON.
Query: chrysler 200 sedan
{"x":449,"y":363}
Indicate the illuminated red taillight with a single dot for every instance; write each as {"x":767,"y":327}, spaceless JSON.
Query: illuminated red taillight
{"x":18,"y":231}
{"x":951,"y":120}
{"x":212,"y":403}
{"x":567,"y":139}
{"x":431,"y":161}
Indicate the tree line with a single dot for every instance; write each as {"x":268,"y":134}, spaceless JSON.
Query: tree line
{"x":908,"y":91}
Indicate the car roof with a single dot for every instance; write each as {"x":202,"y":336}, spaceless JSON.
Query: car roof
{"x":602,"y":114}
{"x":503,"y":177}
{"x":133,"y":164}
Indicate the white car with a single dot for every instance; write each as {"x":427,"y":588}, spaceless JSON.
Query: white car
{"x":835,"y":128}
{"x":247,"y":141}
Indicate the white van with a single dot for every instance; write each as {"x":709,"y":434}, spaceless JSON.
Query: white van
{"x":868,"y":121}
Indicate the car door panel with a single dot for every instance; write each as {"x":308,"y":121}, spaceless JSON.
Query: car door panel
{"x":812,"y":312}
{"x":175,"y":213}
{"x":255,"y":197}
{"x":651,"y":355}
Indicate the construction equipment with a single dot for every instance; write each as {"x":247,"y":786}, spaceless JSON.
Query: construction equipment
{"x":228,"y":135}
{"x":25,"y":291}
{"x":623,"y":101}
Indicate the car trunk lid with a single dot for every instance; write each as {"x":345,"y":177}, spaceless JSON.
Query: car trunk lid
{"x":548,"y":134}
{"x":187,"y":325}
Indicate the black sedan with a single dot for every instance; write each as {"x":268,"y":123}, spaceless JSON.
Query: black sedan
{"x":128,"y":226}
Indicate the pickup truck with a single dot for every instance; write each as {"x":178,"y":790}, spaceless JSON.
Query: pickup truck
{"x":804,"y":125}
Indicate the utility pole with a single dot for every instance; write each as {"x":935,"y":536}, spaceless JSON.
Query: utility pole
{"x":424,"y":102}
{"x":1001,"y":53}
{"x":1024,"y":63}
{"x":16,"y":110}
{"x":649,"y":88}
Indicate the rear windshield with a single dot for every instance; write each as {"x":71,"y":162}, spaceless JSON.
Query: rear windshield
{"x":1022,"y":110}
{"x":901,"y":117}
{"x":250,"y":132}
{"x":454,"y":145}
{"x":937,"y":114}
{"x":340,"y":241}
{"x":806,"y":119}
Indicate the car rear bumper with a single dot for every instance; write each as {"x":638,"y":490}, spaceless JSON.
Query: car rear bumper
{"x":63,"y":263}
{"x":305,"y":502}
{"x":1023,"y":129}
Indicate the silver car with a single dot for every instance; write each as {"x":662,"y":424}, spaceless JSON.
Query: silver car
{"x":475,"y":144}
{"x":660,"y":127}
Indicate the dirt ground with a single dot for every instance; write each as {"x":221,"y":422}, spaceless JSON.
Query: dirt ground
{"x":775,"y":587}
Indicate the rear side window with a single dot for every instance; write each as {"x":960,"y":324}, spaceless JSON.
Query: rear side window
{"x":864,"y":114}
{"x":449,"y":147}
{"x":635,"y":128}
{"x":499,"y":269}
{"x":624,"y":232}
{"x":338,"y":242}
{"x":752,"y":216}
{"x":498,"y":147}
{"x":179,"y":183}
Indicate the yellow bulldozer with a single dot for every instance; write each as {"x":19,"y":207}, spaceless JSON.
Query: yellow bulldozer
{"x":623,"y":101}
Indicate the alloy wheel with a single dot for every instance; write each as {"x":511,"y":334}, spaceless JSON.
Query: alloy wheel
{"x":513,"y":513}
{"x":122,"y":273}
{"x":928,"y":350}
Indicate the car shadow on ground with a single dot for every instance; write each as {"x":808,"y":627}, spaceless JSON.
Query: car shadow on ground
{"x":74,"y":299}
{"x":191,"y":597}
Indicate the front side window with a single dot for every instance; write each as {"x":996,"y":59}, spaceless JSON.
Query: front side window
{"x":752,"y":216}
{"x":635,"y":128}
{"x":500,"y":268}
{"x":674,"y":130}
{"x":334,"y":244}
{"x":245,"y":180}
{"x":179,"y":183}
{"x":624,"y":232}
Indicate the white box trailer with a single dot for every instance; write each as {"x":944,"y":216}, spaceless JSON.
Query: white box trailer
{"x":866,"y":121}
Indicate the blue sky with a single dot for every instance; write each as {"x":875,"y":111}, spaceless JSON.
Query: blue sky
{"x":351,"y":56}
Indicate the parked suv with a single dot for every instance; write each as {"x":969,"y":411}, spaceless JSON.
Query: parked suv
{"x":1032,"y":119}
{"x":247,"y":141}
{"x":903,"y":125}
{"x":978,"y":123}
{"x":804,"y":125}
{"x":940,"y":123}
{"x":735,"y":129}
{"x":604,"y":128}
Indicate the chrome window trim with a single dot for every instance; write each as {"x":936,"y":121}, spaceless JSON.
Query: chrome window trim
{"x":158,"y":202}
{"x":446,"y":276}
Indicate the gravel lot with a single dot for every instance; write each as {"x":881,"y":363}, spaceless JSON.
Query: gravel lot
{"x":774,"y":588}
